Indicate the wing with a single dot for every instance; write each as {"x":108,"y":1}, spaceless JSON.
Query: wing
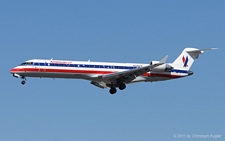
{"x":99,"y":84}
{"x":128,"y":76}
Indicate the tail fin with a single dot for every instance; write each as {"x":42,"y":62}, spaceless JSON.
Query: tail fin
{"x":187,"y":57}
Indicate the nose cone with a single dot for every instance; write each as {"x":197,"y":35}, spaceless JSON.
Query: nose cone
{"x":16,"y":70}
{"x":13,"y":70}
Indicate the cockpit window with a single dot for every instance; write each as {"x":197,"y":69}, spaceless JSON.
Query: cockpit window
{"x":27,"y":63}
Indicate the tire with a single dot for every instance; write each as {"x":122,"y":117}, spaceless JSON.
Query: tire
{"x":122,"y":86}
{"x":23,"y":82}
{"x":112,"y":90}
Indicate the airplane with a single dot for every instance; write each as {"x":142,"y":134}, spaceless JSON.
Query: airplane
{"x":107,"y":74}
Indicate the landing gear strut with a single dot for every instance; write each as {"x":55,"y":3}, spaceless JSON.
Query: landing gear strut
{"x":112,"y":90}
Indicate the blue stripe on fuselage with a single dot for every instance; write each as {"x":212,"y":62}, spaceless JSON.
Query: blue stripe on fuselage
{"x":179,"y":71}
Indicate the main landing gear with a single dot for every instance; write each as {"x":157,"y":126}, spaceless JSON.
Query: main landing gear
{"x":122,"y":86}
{"x":113,"y":89}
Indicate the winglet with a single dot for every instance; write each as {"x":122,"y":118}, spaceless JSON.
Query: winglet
{"x":164,"y":59}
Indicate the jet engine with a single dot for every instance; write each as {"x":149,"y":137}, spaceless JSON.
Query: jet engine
{"x":161,"y":68}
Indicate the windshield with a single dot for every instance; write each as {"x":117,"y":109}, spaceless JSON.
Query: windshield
{"x":27,"y":63}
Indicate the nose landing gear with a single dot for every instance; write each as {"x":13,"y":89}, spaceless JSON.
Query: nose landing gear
{"x":23,"y":81}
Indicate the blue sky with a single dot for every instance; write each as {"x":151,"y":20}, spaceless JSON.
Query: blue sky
{"x":115,"y":31}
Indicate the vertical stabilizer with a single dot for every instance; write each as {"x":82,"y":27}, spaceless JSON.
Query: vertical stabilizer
{"x":187,"y":57}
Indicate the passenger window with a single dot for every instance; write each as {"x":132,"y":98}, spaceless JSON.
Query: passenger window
{"x":108,"y":67}
{"x":36,"y":64}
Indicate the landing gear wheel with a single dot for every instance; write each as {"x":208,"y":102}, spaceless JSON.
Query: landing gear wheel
{"x":112,"y":90}
{"x":122,"y":86}
{"x":23,"y":82}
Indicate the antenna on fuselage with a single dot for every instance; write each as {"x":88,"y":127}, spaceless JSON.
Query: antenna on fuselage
{"x":89,"y":60}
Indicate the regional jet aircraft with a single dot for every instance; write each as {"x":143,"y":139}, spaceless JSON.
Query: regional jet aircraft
{"x":107,"y":74}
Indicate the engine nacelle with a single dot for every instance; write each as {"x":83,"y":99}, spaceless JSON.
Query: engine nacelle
{"x":161,"y":68}
{"x":154,"y":62}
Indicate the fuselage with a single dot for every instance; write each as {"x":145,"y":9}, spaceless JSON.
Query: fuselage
{"x":108,"y":74}
{"x":89,"y":70}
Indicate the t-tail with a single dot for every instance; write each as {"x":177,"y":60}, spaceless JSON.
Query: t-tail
{"x":187,"y":57}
